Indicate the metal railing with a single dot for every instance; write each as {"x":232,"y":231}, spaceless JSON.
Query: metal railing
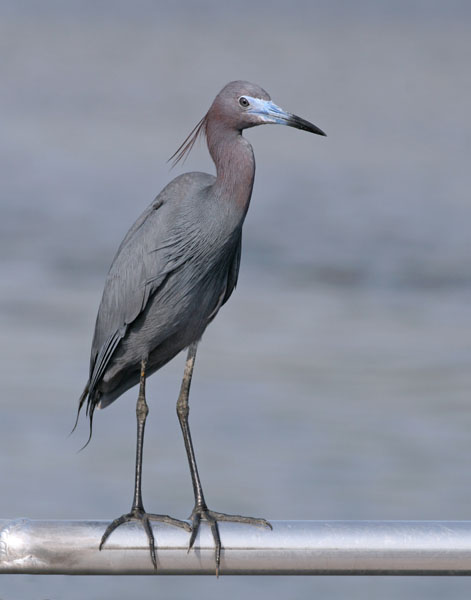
{"x":292,"y":548}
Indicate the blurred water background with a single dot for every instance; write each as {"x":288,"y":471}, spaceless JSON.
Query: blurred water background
{"x":335,"y":383}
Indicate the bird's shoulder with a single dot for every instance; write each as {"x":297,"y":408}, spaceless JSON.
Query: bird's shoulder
{"x":166,"y":214}
{"x":175,"y":195}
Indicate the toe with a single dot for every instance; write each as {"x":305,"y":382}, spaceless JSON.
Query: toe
{"x":196,"y":520}
{"x":150,"y":536}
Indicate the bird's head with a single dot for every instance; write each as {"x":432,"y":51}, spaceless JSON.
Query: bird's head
{"x":241,"y":105}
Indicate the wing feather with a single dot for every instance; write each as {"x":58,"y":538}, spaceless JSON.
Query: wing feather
{"x":152,"y":249}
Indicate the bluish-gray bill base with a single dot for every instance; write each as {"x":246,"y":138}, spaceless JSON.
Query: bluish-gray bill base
{"x":176,"y":267}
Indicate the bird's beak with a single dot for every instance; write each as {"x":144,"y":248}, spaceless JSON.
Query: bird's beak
{"x":269,"y":112}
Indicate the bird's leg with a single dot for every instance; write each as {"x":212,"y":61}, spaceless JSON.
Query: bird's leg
{"x":137,"y":512}
{"x":200,"y":510}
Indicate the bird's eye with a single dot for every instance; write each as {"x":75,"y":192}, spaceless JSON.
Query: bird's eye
{"x":243,"y":102}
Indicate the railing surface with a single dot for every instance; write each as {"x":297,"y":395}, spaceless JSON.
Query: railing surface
{"x":292,"y":548}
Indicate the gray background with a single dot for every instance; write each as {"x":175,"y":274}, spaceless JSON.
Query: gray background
{"x":335,"y":383}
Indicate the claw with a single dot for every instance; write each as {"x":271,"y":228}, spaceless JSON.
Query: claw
{"x":140,"y":515}
{"x":212,"y":518}
{"x":111,"y":527}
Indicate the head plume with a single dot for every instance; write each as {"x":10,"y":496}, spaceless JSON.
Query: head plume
{"x":183,"y":151}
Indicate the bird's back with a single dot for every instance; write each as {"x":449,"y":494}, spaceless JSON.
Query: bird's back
{"x":174,"y":269}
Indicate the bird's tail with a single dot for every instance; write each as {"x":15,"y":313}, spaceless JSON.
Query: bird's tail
{"x":89,"y":412}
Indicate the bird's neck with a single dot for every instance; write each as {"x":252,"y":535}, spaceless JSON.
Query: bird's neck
{"x":235,"y":166}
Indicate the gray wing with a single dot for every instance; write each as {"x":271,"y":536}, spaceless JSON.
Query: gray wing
{"x":150,"y":252}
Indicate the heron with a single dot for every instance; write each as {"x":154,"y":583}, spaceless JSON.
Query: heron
{"x":174,"y":270}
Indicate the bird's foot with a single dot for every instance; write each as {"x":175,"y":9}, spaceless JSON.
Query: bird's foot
{"x":139,"y":514}
{"x":212,"y":518}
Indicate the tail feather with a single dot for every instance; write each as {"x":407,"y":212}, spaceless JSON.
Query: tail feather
{"x":92,"y":402}
{"x":82,"y":399}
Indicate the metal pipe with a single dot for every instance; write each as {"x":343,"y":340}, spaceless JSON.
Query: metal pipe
{"x":292,"y":548}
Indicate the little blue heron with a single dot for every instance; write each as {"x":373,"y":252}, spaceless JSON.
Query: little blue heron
{"x":176,"y":267}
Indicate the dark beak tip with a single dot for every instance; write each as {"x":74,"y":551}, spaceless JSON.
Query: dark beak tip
{"x":300,"y":123}
{"x":318,"y":131}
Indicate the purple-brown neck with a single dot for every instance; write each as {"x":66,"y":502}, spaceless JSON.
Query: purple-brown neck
{"x":235,"y":164}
